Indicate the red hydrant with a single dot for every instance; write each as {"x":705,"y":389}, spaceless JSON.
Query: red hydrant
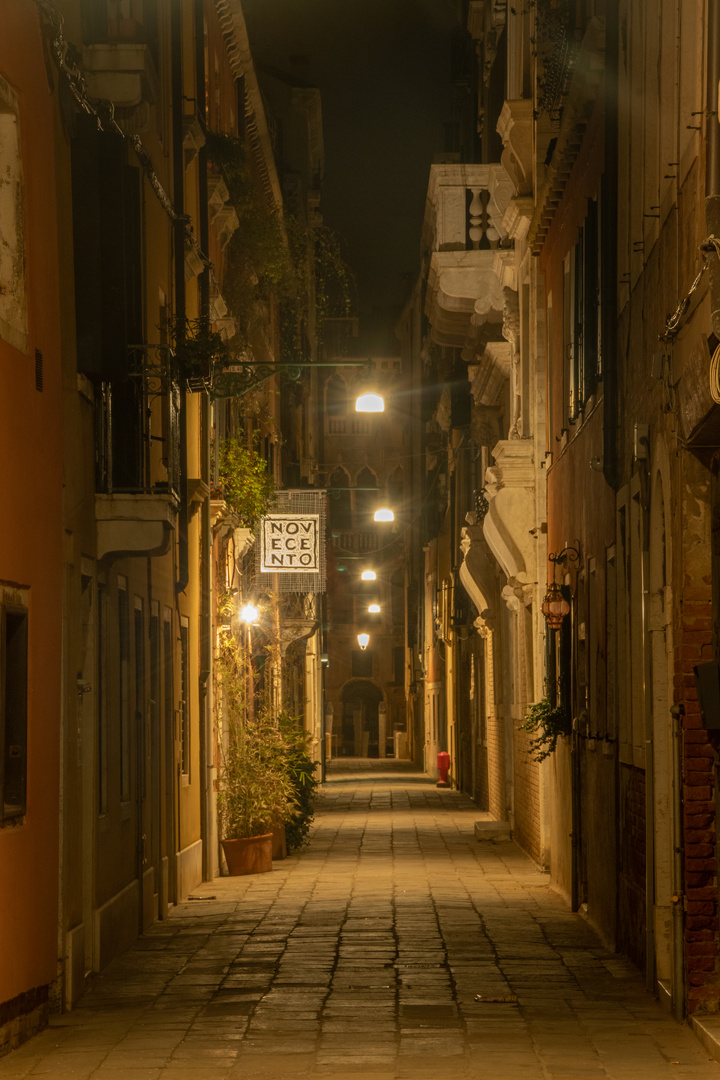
{"x":443,"y":764}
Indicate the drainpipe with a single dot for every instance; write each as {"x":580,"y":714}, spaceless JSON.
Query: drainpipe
{"x":650,"y":959}
{"x":179,"y":258}
{"x":608,"y":251}
{"x":206,"y":686}
{"x":712,"y":165}
{"x":678,"y":986}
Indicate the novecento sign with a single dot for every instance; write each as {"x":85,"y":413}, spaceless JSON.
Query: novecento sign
{"x":289,"y":544}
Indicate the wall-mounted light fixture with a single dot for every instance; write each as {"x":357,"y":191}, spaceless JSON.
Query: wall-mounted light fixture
{"x":363,"y":641}
{"x":368,"y":575}
{"x":555,"y":606}
{"x":374,"y":609}
{"x":383,"y":514}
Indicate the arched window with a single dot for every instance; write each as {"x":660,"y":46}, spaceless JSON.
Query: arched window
{"x":339,"y":501}
{"x":336,"y":396}
{"x":397,"y":598}
{"x":366,"y":498}
{"x":395,"y":490}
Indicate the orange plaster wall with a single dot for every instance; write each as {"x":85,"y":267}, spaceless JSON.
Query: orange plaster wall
{"x":31,"y":534}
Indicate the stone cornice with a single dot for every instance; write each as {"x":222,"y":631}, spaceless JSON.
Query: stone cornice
{"x":582,"y":94}
{"x":232,"y":24}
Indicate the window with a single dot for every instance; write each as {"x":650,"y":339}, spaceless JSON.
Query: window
{"x":366,"y":498}
{"x":399,"y":665}
{"x":362,"y":664}
{"x":101,"y":698}
{"x":13,"y":301}
{"x":339,"y":504}
{"x":140,"y":694}
{"x":184,"y":699}
{"x":124,"y":687}
{"x":582,"y":316}
{"x":13,"y":710}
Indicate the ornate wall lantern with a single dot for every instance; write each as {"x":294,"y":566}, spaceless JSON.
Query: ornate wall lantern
{"x":555,"y":606}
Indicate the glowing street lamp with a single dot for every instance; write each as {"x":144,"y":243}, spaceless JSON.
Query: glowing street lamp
{"x":383,"y":514}
{"x":249,"y":614}
{"x":368,"y":575}
{"x":363,"y":641}
{"x":369,"y":403}
{"x":374,"y":609}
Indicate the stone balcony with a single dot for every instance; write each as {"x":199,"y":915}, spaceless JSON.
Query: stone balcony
{"x":134,"y":524}
{"x":468,"y":266}
{"x":121,"y":73}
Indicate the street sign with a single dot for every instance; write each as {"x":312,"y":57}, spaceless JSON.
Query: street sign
{"x":290,"y":544}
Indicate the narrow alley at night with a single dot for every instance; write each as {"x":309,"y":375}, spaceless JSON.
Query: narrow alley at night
{"x":360,"y":552}
{"x":366,"y":955}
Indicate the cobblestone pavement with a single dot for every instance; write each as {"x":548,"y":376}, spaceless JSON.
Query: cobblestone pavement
{"x":364,"y":956}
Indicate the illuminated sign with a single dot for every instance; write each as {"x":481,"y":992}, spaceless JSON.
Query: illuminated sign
{"x":290,"y":544}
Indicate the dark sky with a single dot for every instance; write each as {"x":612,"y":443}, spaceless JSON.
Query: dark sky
{"x":383,"y":69}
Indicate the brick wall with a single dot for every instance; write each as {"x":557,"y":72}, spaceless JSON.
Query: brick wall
{"x":699,"y":825}
{"x":527,"y":797}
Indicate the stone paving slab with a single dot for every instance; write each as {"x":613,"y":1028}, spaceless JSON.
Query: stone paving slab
{"x":363,"y":956}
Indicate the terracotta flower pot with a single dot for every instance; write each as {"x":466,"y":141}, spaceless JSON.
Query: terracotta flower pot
{"x":251,"y":855}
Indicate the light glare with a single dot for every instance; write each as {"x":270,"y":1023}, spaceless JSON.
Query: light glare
{"x":384,"y":514}
{"x":368,"y":575}
{"x":374,"y":609}
{"x":370,"y":403}
{"x":249,"y":614}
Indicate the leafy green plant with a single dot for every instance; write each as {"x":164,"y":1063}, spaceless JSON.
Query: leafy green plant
{"x":547,"y":723}
{"x":255,"y":790}
{"x":301,"y":770}
{"x":245,"y":483}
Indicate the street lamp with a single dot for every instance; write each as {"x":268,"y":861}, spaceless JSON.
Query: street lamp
{"x":370,"y":402}
{"x":363,"y":641}
{"x":249,"y":614}
{"x":383,"y":514}
{"x":555,"y":606}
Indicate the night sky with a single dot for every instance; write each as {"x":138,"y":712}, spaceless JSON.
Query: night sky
{"x":383,"y":69}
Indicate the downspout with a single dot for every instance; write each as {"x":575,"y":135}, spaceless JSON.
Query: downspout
{"x":179,"y":224}
{"x":650,"y":958}
{"x":712,"y":163}
{"x":678,"y":985}
{"x":205,"y":680}
{"x":608,"y":250}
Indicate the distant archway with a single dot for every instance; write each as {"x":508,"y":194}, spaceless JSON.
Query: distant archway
{"x":360,"y":709}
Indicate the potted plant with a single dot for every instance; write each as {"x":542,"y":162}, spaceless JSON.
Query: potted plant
{"x":255,"y":792}
{"x":546,"y":723}
{"x":301,"y":771}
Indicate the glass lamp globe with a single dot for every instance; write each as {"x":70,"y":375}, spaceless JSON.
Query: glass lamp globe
{"x":368,"y":575}
{"x":370,"y":403}
{"x":383,"y":514}
{"x":554,"y":607}
{"x":363,"y":640}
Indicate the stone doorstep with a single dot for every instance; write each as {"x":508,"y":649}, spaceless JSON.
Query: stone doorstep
{"x":492,"y":830}
{"x":707,"y":1030}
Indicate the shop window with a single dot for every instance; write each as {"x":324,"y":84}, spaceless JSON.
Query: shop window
{"x":13,"y":710}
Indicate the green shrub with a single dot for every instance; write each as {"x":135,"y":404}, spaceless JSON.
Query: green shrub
{"x":547,"y":723}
